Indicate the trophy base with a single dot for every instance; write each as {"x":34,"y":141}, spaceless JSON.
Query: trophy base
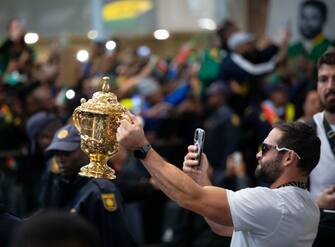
{"x":97,"y":171}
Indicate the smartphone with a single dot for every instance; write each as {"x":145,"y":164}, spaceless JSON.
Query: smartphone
{"x":199,"y":140}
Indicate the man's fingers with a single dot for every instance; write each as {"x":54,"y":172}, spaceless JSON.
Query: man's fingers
{"x":191,"y":156}
{"x":191,"y":163}
{"x":134,"y":118}
{"x":124,"y":125}
{"x":123,"y":129}
{"x":190,"y":170}
{"x":192,"y":148}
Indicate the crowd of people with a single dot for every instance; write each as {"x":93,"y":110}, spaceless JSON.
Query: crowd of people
{"x":245,"y":91}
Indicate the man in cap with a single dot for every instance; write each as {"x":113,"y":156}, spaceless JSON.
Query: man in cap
{"x":97,"y":200}
{"x":242,"y":66}
{"x":244,"y":53}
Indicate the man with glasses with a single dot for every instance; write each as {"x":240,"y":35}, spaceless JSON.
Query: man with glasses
{"x":283,"y":215}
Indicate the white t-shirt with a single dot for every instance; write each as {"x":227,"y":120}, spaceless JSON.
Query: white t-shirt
{"x":323,"y":175}
{"x":264,"y":217}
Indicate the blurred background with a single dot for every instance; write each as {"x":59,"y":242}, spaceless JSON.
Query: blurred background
{"x":232,"y":67}
{"x":78,"y":23}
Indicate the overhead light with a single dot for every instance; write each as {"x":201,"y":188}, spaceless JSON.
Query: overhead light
{"x":82,"y":56}
{"x":92,"y":34}
{"x":110,"y":45}
{"x":207,"y":23}
{"x":31,"y":38}
{"x":70,"y":94}
{"x":161,"y":34}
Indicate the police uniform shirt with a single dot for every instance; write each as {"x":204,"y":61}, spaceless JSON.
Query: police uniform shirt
{"x":97,"y":200}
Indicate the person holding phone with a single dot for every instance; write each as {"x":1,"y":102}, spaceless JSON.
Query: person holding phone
{"x":283,"y":215}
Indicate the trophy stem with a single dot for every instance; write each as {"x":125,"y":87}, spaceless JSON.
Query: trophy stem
{"x":97,"y":168}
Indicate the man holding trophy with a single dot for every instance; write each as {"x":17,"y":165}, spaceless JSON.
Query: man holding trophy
{"x":283,"y":215}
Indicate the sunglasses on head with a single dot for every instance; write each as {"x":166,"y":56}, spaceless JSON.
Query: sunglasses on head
{"x":266,"y":147}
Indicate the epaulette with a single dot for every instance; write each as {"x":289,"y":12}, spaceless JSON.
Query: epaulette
{"x":108,"y":193}
{"x":104,"y":185}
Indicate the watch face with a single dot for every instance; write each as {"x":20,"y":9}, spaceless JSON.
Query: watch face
{"x":142,"y":152}
{"x":139,"y":153}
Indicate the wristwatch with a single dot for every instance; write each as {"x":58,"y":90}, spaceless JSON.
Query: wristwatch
{"x":142,"y":152}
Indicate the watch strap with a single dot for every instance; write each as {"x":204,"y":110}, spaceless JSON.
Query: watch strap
{"x":142,"y":152}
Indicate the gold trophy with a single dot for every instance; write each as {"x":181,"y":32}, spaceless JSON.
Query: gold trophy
{"x":97,"y":121}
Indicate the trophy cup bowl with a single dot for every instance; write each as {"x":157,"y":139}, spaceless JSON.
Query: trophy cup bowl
{"x":97,"y":121}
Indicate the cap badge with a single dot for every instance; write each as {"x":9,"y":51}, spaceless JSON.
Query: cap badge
{"x":62,"y":134}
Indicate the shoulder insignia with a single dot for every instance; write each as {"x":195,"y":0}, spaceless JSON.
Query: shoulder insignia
{"x":109,"y":202}
{"x":235,"y":120}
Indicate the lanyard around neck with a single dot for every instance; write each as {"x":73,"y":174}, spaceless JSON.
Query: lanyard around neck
{"x":330,"y":134}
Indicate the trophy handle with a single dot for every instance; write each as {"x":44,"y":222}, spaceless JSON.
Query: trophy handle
{"x":76,"y":120}
{"x":75,"y":115}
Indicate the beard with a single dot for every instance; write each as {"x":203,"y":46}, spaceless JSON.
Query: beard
{"x":309,"y":32}
{"x":327,"y":104}
{"x":269,"y":171}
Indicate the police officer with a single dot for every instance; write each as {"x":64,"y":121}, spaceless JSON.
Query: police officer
{"x":97,"y":200}
{"x":222,"y":128}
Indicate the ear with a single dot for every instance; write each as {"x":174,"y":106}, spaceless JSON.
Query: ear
{"x":289,"y":158}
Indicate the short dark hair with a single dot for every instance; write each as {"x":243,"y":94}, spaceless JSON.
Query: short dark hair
{"x":321,"y":6}
{"x":301,"y":138}
{"x":327,"y":58}
{"x":55,"y":229}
